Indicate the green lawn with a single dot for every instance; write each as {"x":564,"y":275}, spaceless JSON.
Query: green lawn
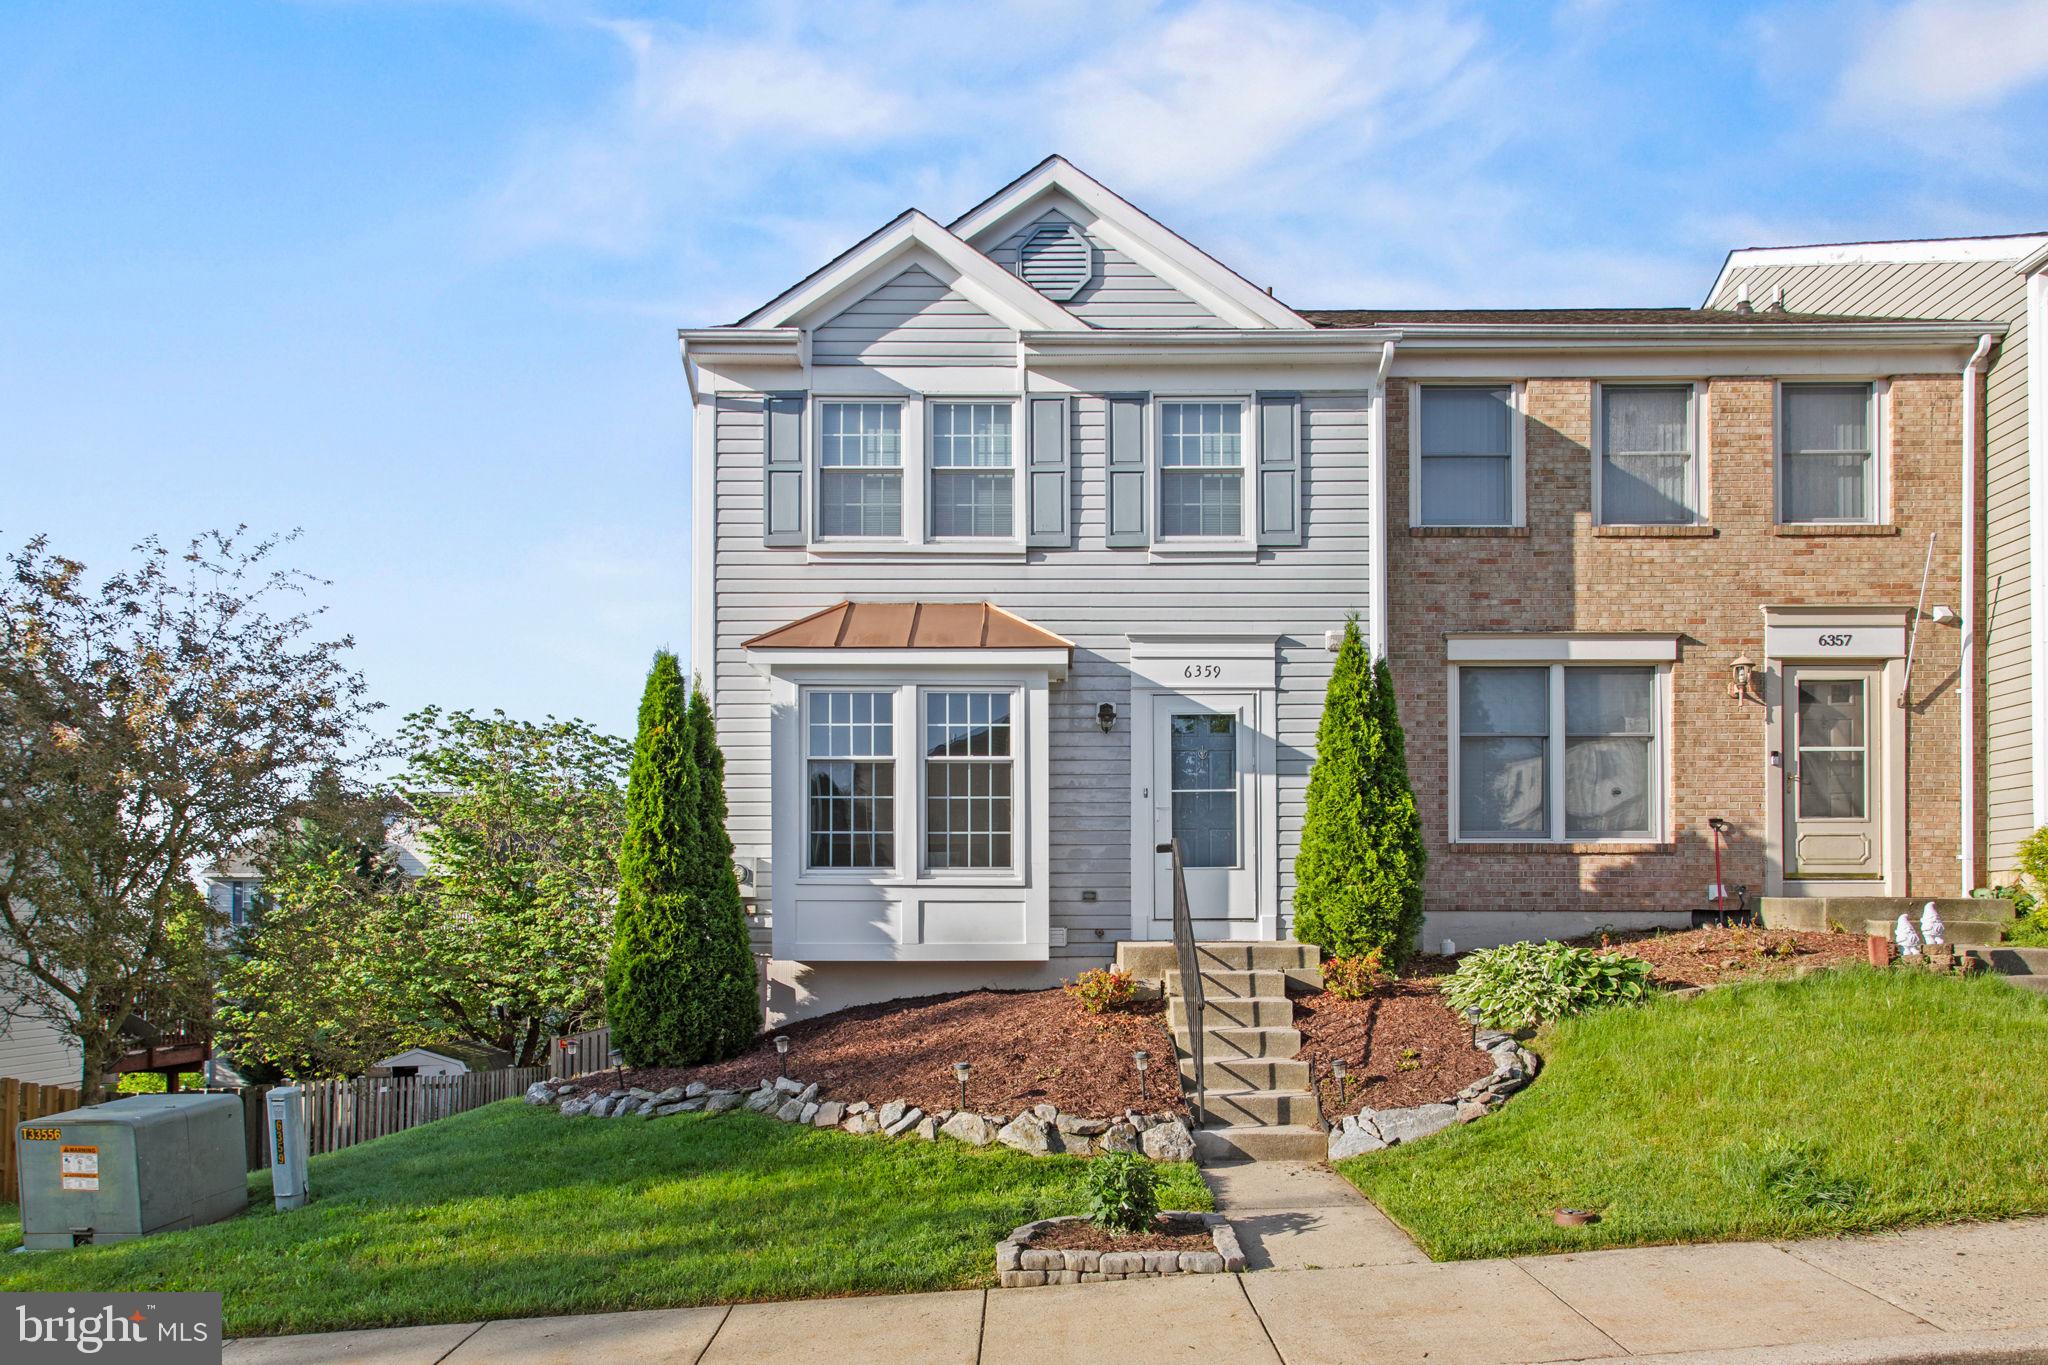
{"x":511,"y":1211}
{"x":1849,"y":1100}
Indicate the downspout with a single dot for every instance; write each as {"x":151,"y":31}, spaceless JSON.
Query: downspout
{"x":1973,"y":375}
{"x":1376,"y":571}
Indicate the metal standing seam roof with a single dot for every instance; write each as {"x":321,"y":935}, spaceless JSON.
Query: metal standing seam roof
{"x":910,"y":625}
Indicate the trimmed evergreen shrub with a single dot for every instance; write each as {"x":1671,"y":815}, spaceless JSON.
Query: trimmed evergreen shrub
{"x":1358,"y":879}
{"x":680,"y":987}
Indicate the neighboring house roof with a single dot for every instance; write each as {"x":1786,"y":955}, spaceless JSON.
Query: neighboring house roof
{"x":1570,"y":317}
{"x":910,"y":625}
{"x":475,"y":1056}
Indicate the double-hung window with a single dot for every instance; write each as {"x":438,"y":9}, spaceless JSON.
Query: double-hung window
{"x":860,"y":469}
{"x":973,"y":474}
{"x":1558,"y":752}
{"x":1827,"y":453}
{"x":968,"y":760}
{"x":1201,"y":470}
{"x":1465,"y":456}
{"x":1648,"y":471}
{"x":850,"y":779}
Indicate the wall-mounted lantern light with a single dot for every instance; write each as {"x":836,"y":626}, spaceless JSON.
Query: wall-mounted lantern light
{"x":1741,"y":674}
{"x":1105,"y":717}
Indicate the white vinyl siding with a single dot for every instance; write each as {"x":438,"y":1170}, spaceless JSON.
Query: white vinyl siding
{"x":860,"y":469}
{"x":1557,"y":752}
{"x":1465,"y":456}
{"x":1649,"y":471}
{"x":973,"y":470}
{"x":1201,"y":470}
{"x":913,"y":321}
{"x":1827,"y":453}
{"x":1120,"y":293}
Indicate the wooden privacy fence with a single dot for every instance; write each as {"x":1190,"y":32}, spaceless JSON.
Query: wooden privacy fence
{"x":580,"y":1052}
{"x":342,"y":1113}
{"x":19,"y":1102}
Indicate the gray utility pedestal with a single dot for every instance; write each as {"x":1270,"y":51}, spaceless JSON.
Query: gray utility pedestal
{"x":121,"y":1170}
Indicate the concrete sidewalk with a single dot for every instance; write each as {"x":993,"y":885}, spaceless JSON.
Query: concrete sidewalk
{"x":1970,"y":1292}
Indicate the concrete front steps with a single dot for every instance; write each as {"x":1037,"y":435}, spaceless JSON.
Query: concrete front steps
{"x":1257,"y":1096}
{"x":2024,"y":967}
{"x":1968,"y":920}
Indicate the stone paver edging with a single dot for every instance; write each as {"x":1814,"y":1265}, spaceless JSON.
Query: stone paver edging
{"x":1369,"y":1130}
{"x":1041,"y":1130}
{"x":1019,"y":1265}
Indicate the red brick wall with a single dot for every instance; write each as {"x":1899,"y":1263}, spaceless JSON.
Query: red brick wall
{"x":1564,"y":574}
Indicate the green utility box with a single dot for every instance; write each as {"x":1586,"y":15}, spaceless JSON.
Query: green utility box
{"x":121,"y":1170}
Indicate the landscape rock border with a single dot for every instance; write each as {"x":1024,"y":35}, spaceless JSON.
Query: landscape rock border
{"x":1041,"y":1130}
{"x":1020,"y":1266}
{"x":1370,"y":1130}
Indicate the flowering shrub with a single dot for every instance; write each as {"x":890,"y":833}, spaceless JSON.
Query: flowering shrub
{"x":1104,"y":988}
{"x":1520,"y":985}
{"x":1353,"y":978}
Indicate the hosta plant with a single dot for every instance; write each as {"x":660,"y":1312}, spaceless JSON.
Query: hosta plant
{"x":1521,"y":985}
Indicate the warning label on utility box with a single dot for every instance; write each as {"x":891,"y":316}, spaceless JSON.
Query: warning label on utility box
{"x":81,"y":1169}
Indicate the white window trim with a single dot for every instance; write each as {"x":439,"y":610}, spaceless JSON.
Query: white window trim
{"x":1880,"y":449}
{"x":1518,"y":442}
{"x":1247,"y":466}
{"x":1696,"y":428}
{"x":910,"y":442}
{"x":1554,"y":747}
{"x":907,"y":753}
{"x":1019,"y":511}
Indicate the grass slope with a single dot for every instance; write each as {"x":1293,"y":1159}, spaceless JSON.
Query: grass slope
{"x":1847,"y":1101}
{"x":511,"y":1211}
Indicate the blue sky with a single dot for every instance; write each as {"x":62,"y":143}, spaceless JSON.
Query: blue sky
{"x":408,"y":274}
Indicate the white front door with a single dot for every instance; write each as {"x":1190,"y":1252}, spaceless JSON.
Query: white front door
{"x":1833,"y":773}
{"x":1202,"y":793}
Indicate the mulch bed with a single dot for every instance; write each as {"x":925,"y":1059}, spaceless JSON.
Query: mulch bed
{"x":1025,"y":1047}
{"x":1714,"y":956}
{"x":1088,"y":1237}
{"x":1403,"y":1045}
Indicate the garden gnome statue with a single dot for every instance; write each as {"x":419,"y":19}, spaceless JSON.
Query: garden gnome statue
{"x":1908,"y":939}
{"x":1931,"y":927}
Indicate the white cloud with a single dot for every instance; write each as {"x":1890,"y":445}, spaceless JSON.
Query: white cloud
{"x":1933,"y":57}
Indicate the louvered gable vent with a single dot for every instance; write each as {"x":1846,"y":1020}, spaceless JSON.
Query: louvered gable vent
{"x":1056,"y":260}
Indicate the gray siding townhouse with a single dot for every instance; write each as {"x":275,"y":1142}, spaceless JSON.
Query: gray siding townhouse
{"x":2004,"y":279}
{"x":1022,"y":541}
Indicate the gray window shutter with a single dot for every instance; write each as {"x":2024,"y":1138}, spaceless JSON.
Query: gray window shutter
{"x":782,"y":463}
{"x":1050,"y":473}
{"x":1130,"y":502}
{"x":1279,"y":469}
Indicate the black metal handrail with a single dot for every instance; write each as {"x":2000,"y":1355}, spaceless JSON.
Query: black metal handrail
{"x":1190,"y":974}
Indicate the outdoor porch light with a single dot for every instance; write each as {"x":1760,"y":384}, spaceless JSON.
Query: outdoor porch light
{"x":1142,"y":1059}
{"x":1740,"y":672}
{"x":1342,"y":1072}
{"x":1105,"y":717}
{"x":782,"y":1051}
{"x":960,"y":1070}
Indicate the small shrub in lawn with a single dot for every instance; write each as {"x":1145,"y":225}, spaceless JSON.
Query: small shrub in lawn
{"x":1353,"y":978}
{"x":1521,"y":985}
{"x":1792,"y":1176}
{"x":1123,"y":1193}
{"x":1104,"y":988}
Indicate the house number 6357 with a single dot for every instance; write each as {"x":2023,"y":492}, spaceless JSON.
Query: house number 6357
{"x":1202,"y":671}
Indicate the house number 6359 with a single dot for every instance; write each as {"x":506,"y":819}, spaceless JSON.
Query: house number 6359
{"x":1202,"y":671}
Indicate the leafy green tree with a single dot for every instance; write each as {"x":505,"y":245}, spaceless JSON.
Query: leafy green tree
{"x":680,"y":988}
{"x":149,"y":723}
{"x":504,"y":939}
{"x":1358,"y":879}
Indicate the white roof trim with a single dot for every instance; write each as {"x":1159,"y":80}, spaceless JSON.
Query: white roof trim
{"x":975,"y":275}
{"x":1514,"y":648}
{"x":1137,"y":234}
{"x":2035,"y":263}
{"x":909,"y":663}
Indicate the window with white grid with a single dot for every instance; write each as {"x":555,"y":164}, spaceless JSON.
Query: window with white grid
{"x":1201,"y":469}
{"x":850,"y":779}
{"x":974,"y":485}
{"x":860,"y":469}
{"x":968,"y":770}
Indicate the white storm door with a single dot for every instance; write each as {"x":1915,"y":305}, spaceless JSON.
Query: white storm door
{"x":1834,"y":779}
{"x":1202,"y":794}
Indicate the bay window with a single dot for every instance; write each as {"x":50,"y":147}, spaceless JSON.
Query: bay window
{"x":850,"y":779}
{"x":1201,"y":470}
{"x":1558,"y":752}
{"x":967,"y":784}
{"x":1827,"y":454}
{"x":860,"y":469}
